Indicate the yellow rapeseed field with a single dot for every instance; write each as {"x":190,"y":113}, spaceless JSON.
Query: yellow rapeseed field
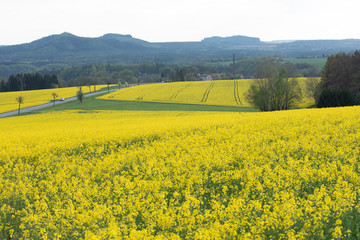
{"x":220,"y":92}
{"x":37,"y":97}
{"x":181,"y":175}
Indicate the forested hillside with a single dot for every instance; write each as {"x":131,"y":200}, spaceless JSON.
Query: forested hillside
{"x":63,"y":50}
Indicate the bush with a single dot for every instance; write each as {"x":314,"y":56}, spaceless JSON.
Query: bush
{"x":335,"y":98}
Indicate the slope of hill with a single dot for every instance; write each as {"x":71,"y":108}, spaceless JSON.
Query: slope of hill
{"x":115,"y":46}
{"x":67,"y":49}
{"x":56,"y":48}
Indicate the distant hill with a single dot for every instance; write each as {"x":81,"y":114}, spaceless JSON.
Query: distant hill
{"x":67,"y":49}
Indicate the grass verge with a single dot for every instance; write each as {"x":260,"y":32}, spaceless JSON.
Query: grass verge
{"x":92,"y":103}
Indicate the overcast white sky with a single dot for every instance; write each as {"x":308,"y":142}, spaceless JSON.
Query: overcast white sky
{"x":180,"y":20}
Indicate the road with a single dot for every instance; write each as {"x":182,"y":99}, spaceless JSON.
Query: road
{"x":30,"y":109}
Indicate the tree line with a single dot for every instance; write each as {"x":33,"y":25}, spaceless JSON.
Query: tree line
{"x":29,"y":81}
{"x":340,"y":81}
{"x":339,"y":85}
{"x":155,"y":72}
{"x":103,"y":73}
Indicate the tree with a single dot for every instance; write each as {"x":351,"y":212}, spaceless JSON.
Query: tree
{"x":294,"y":93}
{"x":340,"y":81}
{"x":80,"y":95}
{"x":337,"y":72}
{"x":54,"y":94}
{"x":259,"y":93}
{"x":312,"y":87}
{"x":180,"y":75}
{"x":335,"y":98}
{"x":30,"y":81}
{"x":20,"y":100}
{"x":191,"y":76}
{"x":108,"y":84}
{"x":272,"y":90}
{"x":2,"y":85}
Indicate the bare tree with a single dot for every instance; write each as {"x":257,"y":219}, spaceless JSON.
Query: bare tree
{"x":272,"y":90}
{"x":108,"y":84}
{"x":54,"y":96}
{"x":312,"y":87}
{"x":80,"y":95}
{"x":20,"y":100}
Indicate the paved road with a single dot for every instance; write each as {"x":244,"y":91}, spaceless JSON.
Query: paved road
{"x":30,"y":109}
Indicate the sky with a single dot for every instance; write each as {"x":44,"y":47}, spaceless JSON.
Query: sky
{"x":23,"y":21}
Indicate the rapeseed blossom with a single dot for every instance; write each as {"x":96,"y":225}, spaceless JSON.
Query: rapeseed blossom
{"x":177,"y":175}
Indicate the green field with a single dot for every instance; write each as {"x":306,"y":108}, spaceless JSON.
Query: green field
{"x":94,"y":104}
{"x":318,"y":62}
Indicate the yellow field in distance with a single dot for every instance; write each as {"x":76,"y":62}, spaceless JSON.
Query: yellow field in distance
{"x":36,"y":97}
{"x":220,"y":92}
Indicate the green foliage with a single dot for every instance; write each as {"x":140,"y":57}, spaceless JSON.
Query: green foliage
{"x":307,"y":67}
{"x":273,"y":90}
{"x":312,"y":87}
{"x":29,"y":81}
{"x":335,"y":98}
{"x":155,"y":72}
{"x":340,"y":82}
{"x":95,"y":104}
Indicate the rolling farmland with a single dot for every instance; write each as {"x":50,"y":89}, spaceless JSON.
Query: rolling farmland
{"x":180,"y":175}
{"x":82,"y":172}
{"x":222,"y":92}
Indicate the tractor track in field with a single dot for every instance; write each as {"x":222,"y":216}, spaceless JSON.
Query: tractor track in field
{"x":236,"y":93}
{"x":207,"y":92}
{"x":175,"y":94}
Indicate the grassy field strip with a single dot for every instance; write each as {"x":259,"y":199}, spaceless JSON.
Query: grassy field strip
{"x":95,"y":104}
